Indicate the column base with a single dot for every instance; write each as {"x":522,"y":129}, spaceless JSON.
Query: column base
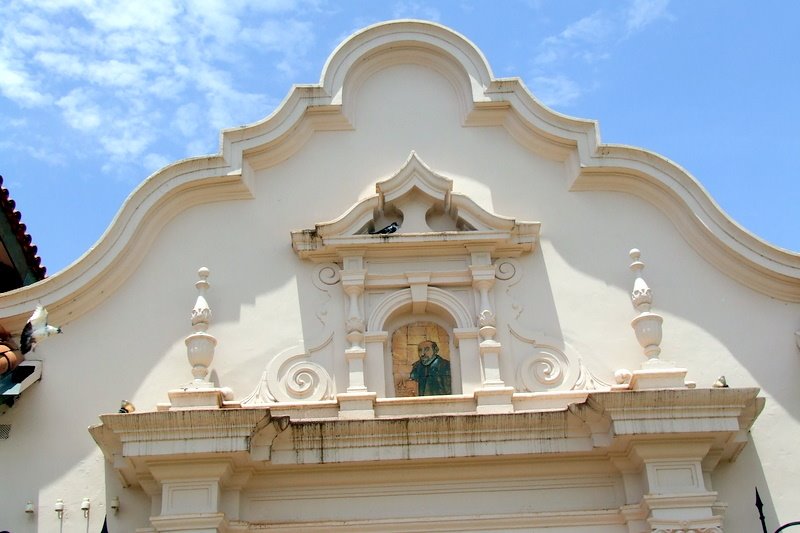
{"x":191,"y":523}
{"x":495,"y":400}
{"x":356,"y":405}
{"x":658,"y":378}
{"x":195,"y":398}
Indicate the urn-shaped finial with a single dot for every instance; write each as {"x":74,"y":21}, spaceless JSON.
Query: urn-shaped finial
{"x":200,"y":345}
{"x":647,"y":325}
{"x":642,"y":295}
{"x":201,"y":314}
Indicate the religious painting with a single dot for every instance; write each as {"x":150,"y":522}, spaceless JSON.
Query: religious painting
{"x":421,"y":360}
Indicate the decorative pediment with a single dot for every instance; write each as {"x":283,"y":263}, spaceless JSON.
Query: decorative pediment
{"x":414,"y":209}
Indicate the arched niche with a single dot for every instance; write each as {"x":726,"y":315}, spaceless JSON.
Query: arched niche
{"x":436,"y":306}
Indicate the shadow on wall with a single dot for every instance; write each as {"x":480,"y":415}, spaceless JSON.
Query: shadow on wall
{"x":737,"y":483}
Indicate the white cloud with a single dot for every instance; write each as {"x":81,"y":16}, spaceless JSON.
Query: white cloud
{"x":128,"y":75}
{"x":111,"y":16}
{"x":165,"y":86}
{"x":556,"y":91}
{"x":80,"y":111}
{"x":60,"y":63}
{"x":17,"y":85}
{"x":642,"y":13}
{"x":41,"y":149}
{"x":115,"y":73}
{"x":591,"y":31}
{"x":29,"y":31}
{"x":153,"y":162}
{"x":589,"y":40}
{"x":126,"y":141}
{"x":187,"y":119}
{"x":201,"y":146}
{"x":415,"y":10}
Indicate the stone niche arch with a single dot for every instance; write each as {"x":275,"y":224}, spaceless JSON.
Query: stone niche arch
{"x":436,"y":306}
{"x":417,"y":250}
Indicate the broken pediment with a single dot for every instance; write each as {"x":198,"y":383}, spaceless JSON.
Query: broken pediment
{"x":415,"y":208}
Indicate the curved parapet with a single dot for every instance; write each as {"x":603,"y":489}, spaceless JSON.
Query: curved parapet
{"x":712,"y":233}
{"x":115,"y":256}
{"x":328,"y":106}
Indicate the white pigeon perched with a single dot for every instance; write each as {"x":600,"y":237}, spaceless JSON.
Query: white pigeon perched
{"x":36,"y":329}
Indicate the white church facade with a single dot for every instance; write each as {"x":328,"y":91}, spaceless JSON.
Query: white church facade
{"x":412,"y":299}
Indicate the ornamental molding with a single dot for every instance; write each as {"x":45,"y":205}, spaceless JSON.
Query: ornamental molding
{"x":424,"y":217}
{"x":293,"y":376}
{"x":327,"y":106}
{"x":237,"y":441}
{"x":403,"y":298}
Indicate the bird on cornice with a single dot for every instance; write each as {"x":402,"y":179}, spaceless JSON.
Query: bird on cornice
{"x":36,"y":330}
{"x":391,"y":228}
{"x":721,"y":383}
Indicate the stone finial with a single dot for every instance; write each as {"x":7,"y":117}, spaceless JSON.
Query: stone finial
{"x":200,"y":392}
{"x":201,"y":314}
{"x":647,"y":325}
{"x":642,"y":295}
{"x":655,"y":373}
{"x":200,"y":345}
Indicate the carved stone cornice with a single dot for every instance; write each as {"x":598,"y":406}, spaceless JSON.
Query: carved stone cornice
{"x":472,"y":226}
{"x":711,"y":417}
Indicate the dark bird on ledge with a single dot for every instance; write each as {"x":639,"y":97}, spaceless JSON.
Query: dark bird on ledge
{"x":391,"y":228}
{"x":36,"y":330}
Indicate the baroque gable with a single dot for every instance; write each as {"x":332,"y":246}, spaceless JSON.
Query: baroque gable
{"x":384,"y":321}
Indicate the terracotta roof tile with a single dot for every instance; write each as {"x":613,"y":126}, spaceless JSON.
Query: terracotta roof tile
{"x":8,"y":207}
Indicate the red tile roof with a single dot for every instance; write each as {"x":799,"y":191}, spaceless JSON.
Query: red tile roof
{"x":8,"y":208}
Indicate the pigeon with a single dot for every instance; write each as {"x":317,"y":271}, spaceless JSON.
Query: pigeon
{"x":391,"y":228}
{"x":36,"y":329}
{"x":721,"y":383}
{"x":126,"y":407}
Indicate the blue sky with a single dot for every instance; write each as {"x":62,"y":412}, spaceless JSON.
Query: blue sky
{"x":95,"y":95}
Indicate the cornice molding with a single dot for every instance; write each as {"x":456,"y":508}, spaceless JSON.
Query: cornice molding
{"x":695,"y":419}
{"x":470,"y":224}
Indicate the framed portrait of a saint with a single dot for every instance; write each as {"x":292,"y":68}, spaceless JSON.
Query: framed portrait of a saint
{"x":421,"y":360}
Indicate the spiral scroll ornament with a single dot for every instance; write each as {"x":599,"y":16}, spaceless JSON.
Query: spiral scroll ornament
{"x":509,"y":272}
{"x":325,"y":275}
{"x":546,"y":369}
{"x":291,"y":377}
{"x":303,"y":381}
{"x":507,"y":269}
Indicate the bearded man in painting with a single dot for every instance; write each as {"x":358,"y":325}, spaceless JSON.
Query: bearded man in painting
{"x":431,"y":372}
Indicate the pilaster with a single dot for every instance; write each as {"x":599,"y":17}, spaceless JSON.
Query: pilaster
{"x":191,"y":496}
{"x":353,"y":278}
{"x":676,"y":497}
{"x":493,"y":396}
